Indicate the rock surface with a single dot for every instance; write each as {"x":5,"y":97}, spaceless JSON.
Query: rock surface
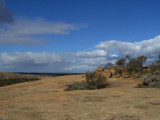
{"x":113,"y":72}
{"x":125,"y":74}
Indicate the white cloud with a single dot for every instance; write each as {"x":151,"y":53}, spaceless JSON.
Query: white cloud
{"x":81,"y":61}
{"x":86,"y":64}
{"x":105,"y":52}
{"x":114,"y":55}
{"x":31,"y":62}
{"x":36,"y":58}
{"x":92,"y":54}
{"x":46,"y":62}
{"x":25,"y":31}
{"x":146,"y":47}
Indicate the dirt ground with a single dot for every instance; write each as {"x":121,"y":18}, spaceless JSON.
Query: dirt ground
{"x":46,"y":99}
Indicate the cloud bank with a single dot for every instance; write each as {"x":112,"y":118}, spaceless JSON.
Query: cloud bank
{"x":92,"y":54}
{"x":5,"y":14}
{"x":31,"y":62}
{"x":25,"y":31}
{"x":146,"y":47}
{"x":80,"y":61}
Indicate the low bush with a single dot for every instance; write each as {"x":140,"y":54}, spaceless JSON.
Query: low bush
{"x":93,"y":81}
{"x":151,"y":80}
{"x":157,"y":72}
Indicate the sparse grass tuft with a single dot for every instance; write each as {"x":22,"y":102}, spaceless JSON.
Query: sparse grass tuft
{"x":76,"y":86}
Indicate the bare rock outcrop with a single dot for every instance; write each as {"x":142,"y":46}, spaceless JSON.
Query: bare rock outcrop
{"x":125,"y":74}
{"x":113,"y":72}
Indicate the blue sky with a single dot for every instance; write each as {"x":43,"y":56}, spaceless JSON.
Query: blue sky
{"x":75,"y":35}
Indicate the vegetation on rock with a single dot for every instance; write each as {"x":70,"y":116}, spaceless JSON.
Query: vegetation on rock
{"x":121,"y":61}
{"x":133,"y":67}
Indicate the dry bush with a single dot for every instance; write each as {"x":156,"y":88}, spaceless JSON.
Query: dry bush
{"x":151,"y":80}
{"x":93,"y":81}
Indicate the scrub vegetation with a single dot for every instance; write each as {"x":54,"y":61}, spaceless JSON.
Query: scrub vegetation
{"x":14,"y":78}
{"x":124,"y":68}
{"x":93,"y":81}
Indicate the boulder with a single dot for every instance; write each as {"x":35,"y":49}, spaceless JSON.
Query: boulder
{"x":117,"y":76}
{"x":113,"y":72}
{"x":110,"y":71}
{"x":125,"y":74}
{"x":99,"y":69}
{"x":107,"y":74}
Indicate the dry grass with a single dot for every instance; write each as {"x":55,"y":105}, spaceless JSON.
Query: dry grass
{"x":46,"y":99}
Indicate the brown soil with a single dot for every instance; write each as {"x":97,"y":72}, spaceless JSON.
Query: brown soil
{"x":46,"y":100}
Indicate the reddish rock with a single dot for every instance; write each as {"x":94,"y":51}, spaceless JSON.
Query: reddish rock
{"x":117,"y":76}
{"x":99,"y":69}
{"x":107,"y":74}
{"x":125,"y":74}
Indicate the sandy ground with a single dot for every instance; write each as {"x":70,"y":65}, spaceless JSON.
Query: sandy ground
{"x":46,"y":100}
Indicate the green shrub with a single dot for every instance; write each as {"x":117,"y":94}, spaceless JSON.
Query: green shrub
{"x":136,"y":65}
{"x":109,"y":64}
{"x":152,"y":67}
{"x":155,"y":84}
{"x":139,"y":74}
{"x":93,"y":81}
{"x":151,"y":80}
{"x":146,"y":79}
{"x":157,"y":72}
{"x":121,"y":61}
{"x":158,"y":61}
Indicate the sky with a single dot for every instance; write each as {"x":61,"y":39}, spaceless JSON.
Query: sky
{"x":71,"y":36}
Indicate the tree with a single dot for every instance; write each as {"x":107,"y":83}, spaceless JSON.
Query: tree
{"x":158,"y":61}
{"x":121,"y":61}
{"x":136,"y":64}
{"x":109,"y":64}
{"x":128,"y":57}
{"x":132,"y":65}
{"x":141,"y":60}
